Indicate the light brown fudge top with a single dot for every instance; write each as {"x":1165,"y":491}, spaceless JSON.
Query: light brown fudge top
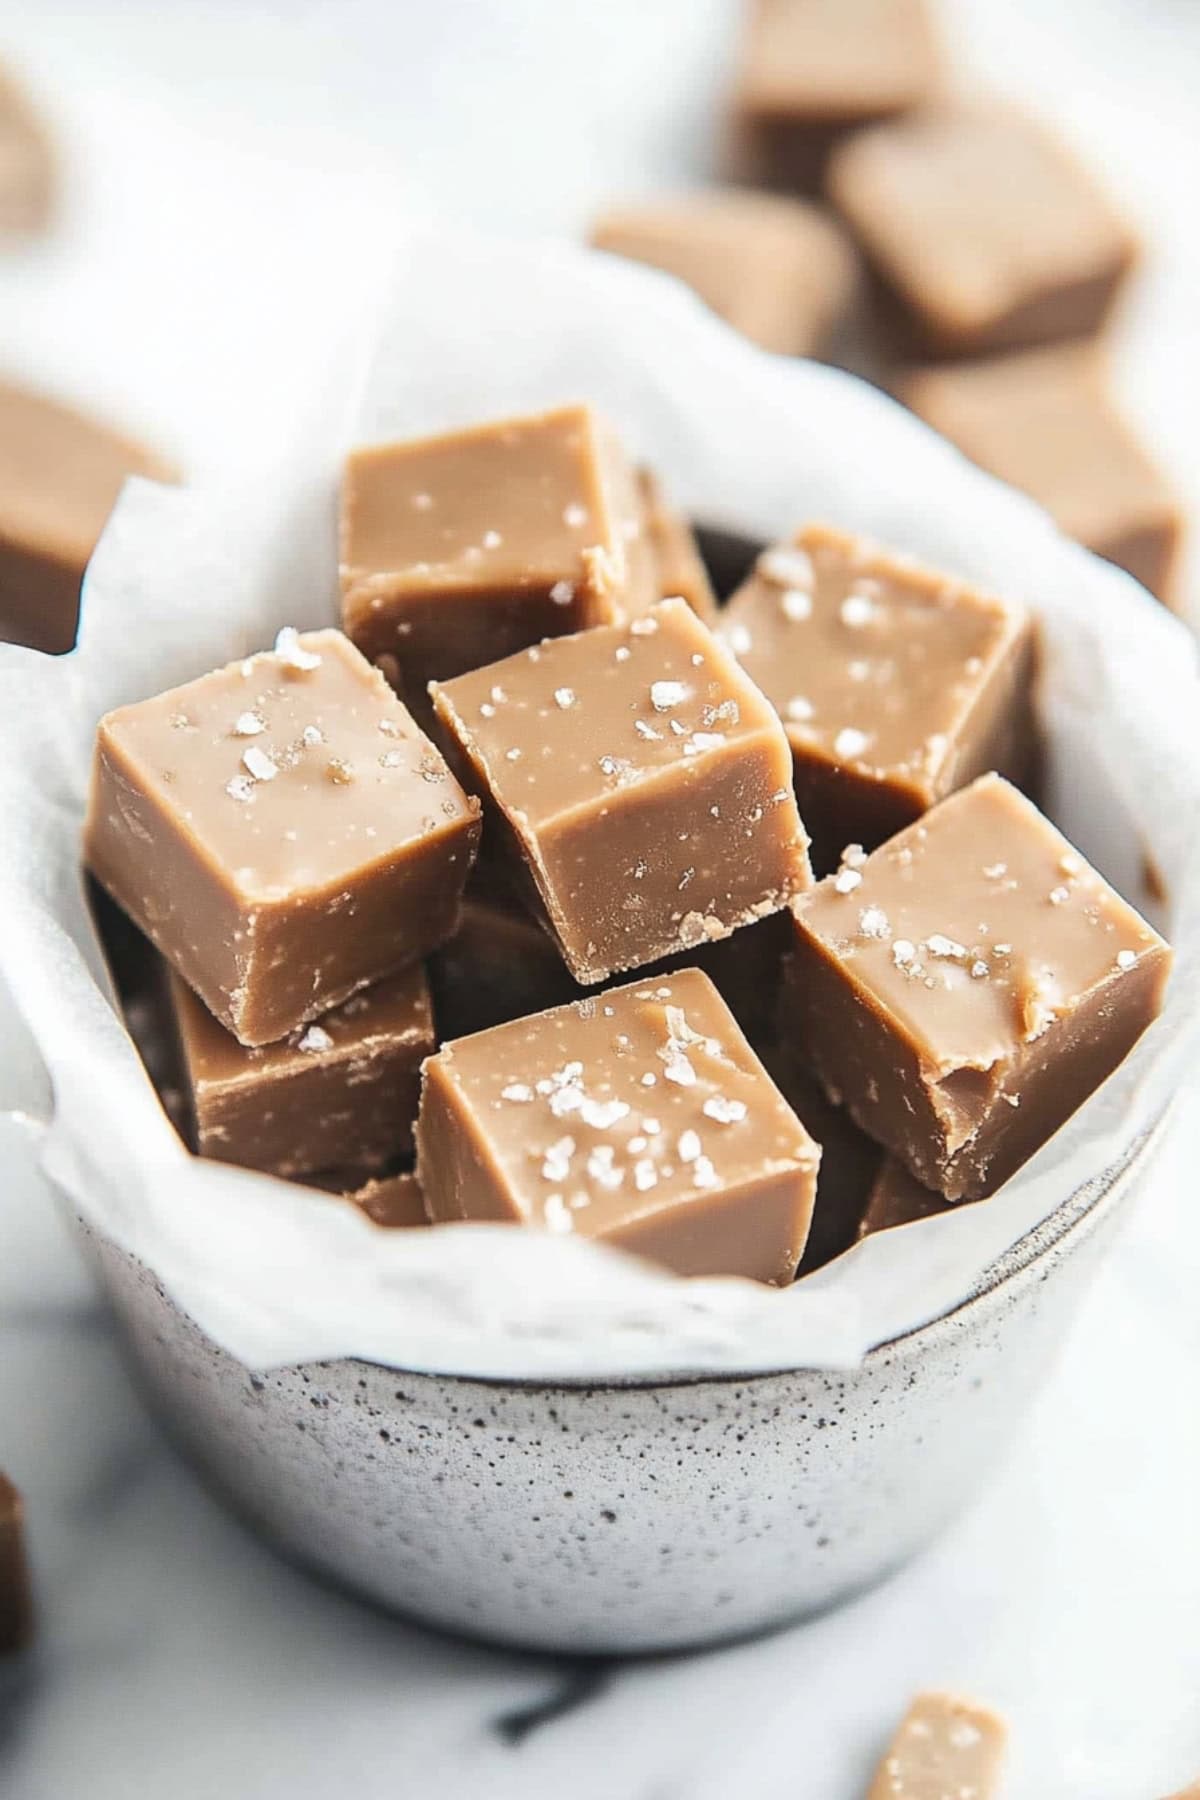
{"x":1043,"y":421}
{"x":870,"y":659}
{"x":839,"y":59}
{"x":977,"y":928}
{"x":27,"y":173}
{"x":617,"y":1107}
{"x":393,"y":1016}
{"x":291,"y":770}
{"x":511,"y":504}
{"x":777,"y":269}
{"x":394,"y":1202}
{"x":577,"y":719}
{"x":944,"y":1749}
{"x":969,"y":208}
{"x":60,"y":474}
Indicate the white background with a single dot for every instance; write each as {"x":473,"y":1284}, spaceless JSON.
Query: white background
{"x":235,"y":174}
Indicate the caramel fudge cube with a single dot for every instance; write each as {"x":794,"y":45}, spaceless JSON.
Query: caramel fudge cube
{"x":813,"y":69}
{"x":897,"y":1198}
{"x":640,"y":1117}
{"x":60,"y":474}
{"x":1044,"y":421}
{"x":394,"y":1202}
{"x":895,"y":683}
{"x":943,"y":1747}
{"x":984,"y":230}
{"x":968,"y":986}
{"x":281,"y":831}
{"x":499,"y":965}
{"x":678,"y":565}
{"x":641,"y":781}
{"x":777,"y":269}
{"x":341,"y":1090}
{"x":16,"y":1612}
{"x":849,"y":1159}
{"x":458,"y":550}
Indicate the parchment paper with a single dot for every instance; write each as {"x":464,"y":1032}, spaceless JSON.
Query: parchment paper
{"x":185,"y":580}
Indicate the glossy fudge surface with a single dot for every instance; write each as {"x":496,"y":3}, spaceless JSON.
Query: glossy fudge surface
{"x":968,"y":986}
{"x":944,"y":1749}
{"x":1044,"y":421}
{"x":775,"y":268}
{"x":60,"y":474}
{"x":641,"y":782}
{"x":986,"y":232}
{"x":15,"y":1602}
{"x":281,"y":831}
{"x":678,"y":565}
{"x":458,"y":550}
{"x":895,"y":683}
{"x":343,"y":1090}
{"x":639,"y":1116}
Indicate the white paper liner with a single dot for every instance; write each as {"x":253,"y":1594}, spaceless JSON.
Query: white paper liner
{"x":187,"y":580}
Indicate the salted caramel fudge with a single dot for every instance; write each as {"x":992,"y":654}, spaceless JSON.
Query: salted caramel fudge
{"x":897,"y":1198}
{"x":16,"y":1612}
{"x":281,"y":831}
{"x":27,"y":161}
{"x":849,"y":1159}
{"x":640,"y":1117}
{"x":341,"y":1090}
{"x":394,"y":1202}
{"x":639,"y":782}
{"x":811,"y":70}
{"x":500,"y":964}
{"x":678,"y":565}
{"x":60,"y":474}
{"x":944,"y":1749}
{"x":458,"y":550}
{"x":895,"y":683}
{"x":968,"y":986}
{"x":985,"y":232}
{"x":1045,"y":422}
{"x":777,"y":269}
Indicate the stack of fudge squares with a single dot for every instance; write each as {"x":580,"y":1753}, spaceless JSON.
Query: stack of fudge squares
{"x":941,"y":241}
{"x":550,"y":891}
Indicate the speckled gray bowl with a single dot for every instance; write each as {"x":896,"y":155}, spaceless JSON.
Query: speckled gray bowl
{"x":623,"y":1518}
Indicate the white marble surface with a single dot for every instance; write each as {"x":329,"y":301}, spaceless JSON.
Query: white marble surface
{"x":223,"y":171}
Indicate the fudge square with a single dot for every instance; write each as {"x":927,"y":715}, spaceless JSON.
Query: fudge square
{"x":895,"y":683}
{"x":1044,"y":421}
{"x":966,"y":988}
{"x":281,"y":831}
{"x":343,"y":1090}
{"x":983,"y":228}
{"x":777,"y":269}
{"x":943,"y":1747}
{"x":458,"y":550}
{"x":639,"y":1116}
{"x":678,"y":564}
{"x":394,"y":1202}
{"x":640,"y":780}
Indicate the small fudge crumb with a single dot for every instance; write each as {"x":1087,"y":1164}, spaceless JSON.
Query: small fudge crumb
{"x":895,"y":683}
{"x":16,"y":1607}
{"x":641,"y":1117}
{"x":346,"y":1088}
{"x":972,"y":991}
{"x":245,"y":861}
{"x":458,"y":550}
{"x":653,"y":811}
{"x":944,"y":1749}
{"x":777,"y":269}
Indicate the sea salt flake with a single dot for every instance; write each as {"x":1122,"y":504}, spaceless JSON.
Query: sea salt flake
{"x":944,"y":947}
{"x":315,"y":1038}
{"x":556,"y":1215}
{"x":575,"y":515}
{"x":703,"y":1173}
{"x":312,"y":735}
{"x":513,"y":755}
{"x":492,"y":540}
{"x":240,"y":788}
{"x":738,"y":639}
{"x":904,"y":953}
{"x":562,"y":593}
{"x":689,"y":1146}
{"x":292,"y":653}
{"x":788,"y":566}
{"x":995,"y":871}
{"x":646,"y":731}
{"x":724,"y":1111}
{"x":259,"y":764}
{"x":645,"y":1175}
{"x":1059,"y":896}
{"x":601,"y":1115}
{"x":391,"y":759}
{"x":980,"y":970}
{"x":519,"y":1092}
{"x":701,"y":741}
{"x":666,"y":694}
{"x":556,"y":1164}
{"x":249,"y":724}
{"x":857,"y":610}
{"x":850,"y":743}
{"x":853,"y":856}
{"x":643,"y":627}
{"x":795,"y":605}
{"x":602,"y":1168}
{"x":873,"y":922}
{"x":1126,"y":959}
{"x":846,"y":880}
{"x":564,"y":697}
{"x":798,"y":708}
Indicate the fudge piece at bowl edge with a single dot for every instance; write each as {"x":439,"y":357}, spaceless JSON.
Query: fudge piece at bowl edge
{"x":943,"y":1747}
{"x":638,"y":782}
{"x":895,"y":683}
{"x":811,"y":70}
{"x":984,"y":230}
{"x":343,"y":1089}
{"x":394,"y":1202}
{"x":896,"y":1197}
{"x":777,"y":269}
{"x":500,"y":964}
{"x":678,"y":565}
{"x":850,"y":1160}
{"x":281,"y":830}
{"x":460,"y":549}
{"x":965,"y":988}
{"x":1044,"y":421}
{"x":60,"y":474}
{"x":16,"y":1608}
{"x":639,"y":1116}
